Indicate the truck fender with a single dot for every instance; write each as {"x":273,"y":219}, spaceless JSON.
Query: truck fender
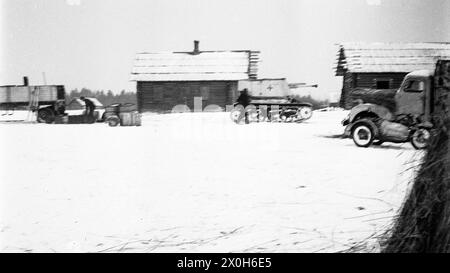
{"x":370,"y":109}
{"x":368,"y":122}
{"x":41,"y":106}
{"x":426,"y":125}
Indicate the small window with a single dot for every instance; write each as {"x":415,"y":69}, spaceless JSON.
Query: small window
{"x":204,"y":90}
{"x":415,"y":86}
{"x":383,"y":84}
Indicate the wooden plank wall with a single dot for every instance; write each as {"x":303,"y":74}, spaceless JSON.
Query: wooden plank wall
{"x":163,"y":96}
{"x":366,"y":80}
{"x":22,"y":94}
{"x":347,"y":85}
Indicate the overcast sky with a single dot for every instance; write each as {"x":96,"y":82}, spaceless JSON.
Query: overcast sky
{"x":81,"y":43}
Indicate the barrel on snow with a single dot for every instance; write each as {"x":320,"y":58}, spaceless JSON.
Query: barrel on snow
{"x":130,"y":119}
{"x":127,"y":107}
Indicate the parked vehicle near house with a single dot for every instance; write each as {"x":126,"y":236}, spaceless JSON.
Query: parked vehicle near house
{"x":421,"y":99}
{"x":78,"y":107}
{"x":381,"y":66}
{"x":270,"y":100}
{"x":47,"y":100}
{"x":275,"y":109}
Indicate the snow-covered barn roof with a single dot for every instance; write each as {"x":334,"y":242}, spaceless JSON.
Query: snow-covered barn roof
{"x":195,"y":66}
{"x":389,"y":57}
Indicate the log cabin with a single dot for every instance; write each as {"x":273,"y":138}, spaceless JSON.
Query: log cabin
{"x":383,"y":65}
{"x":168,"y":79}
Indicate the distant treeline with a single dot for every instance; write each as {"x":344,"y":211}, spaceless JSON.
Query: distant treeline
{"x":106,"y":98}
{"x":317,"y":104}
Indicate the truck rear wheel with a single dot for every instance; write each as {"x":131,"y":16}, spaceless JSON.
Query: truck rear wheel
{"x":363,"y":135}
{"x":46,"y":116}
{"x":420,"y":138}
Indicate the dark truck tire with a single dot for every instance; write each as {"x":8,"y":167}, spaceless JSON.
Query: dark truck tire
{"x":363,"y":133}
{"x":420,"y":138}
{"x":46,"y":115}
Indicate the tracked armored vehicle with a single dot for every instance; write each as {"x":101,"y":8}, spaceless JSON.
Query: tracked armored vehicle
{"x":270,"y":100}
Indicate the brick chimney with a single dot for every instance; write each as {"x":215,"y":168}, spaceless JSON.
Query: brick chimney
{"x":25,"y":81}
{"x":196,"y":47}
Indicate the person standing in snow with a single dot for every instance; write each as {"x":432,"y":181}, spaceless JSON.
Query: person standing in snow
{"x":90,"y":107}
{"x":244,"y":100}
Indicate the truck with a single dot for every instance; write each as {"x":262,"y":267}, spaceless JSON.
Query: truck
{"x":46,"y":100}
{"x":420,"y":103}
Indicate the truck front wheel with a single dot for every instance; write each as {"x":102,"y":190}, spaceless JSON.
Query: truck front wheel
{"x":362,"y":135}
{"x":46,"y":116}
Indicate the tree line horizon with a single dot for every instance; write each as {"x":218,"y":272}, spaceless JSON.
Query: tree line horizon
{"x":108,"y":97}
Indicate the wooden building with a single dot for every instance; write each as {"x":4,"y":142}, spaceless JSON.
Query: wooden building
{"x":383,"y":65}
{"x":168,"y":79}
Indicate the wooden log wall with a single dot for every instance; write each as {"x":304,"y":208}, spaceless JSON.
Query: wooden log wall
{"x":163,"y":96}
{"x":353,"y":81}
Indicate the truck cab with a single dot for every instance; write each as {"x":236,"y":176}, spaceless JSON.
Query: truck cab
{"x":422,"y":103}
{"x":415,"y":97}
{"x":414,"y":100}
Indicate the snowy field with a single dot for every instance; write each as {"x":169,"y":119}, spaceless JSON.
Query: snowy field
{"x":196,"y":183}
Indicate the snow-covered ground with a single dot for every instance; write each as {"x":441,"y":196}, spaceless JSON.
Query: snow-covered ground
{"x":196,"y":183}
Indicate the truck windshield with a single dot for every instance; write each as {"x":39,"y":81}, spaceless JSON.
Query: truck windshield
{"x":415,"y":86}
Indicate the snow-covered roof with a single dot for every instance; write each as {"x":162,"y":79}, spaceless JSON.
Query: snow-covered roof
{"x":389,"y":57}
{"x":422,"y":73}
{"x":201,"y":66}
